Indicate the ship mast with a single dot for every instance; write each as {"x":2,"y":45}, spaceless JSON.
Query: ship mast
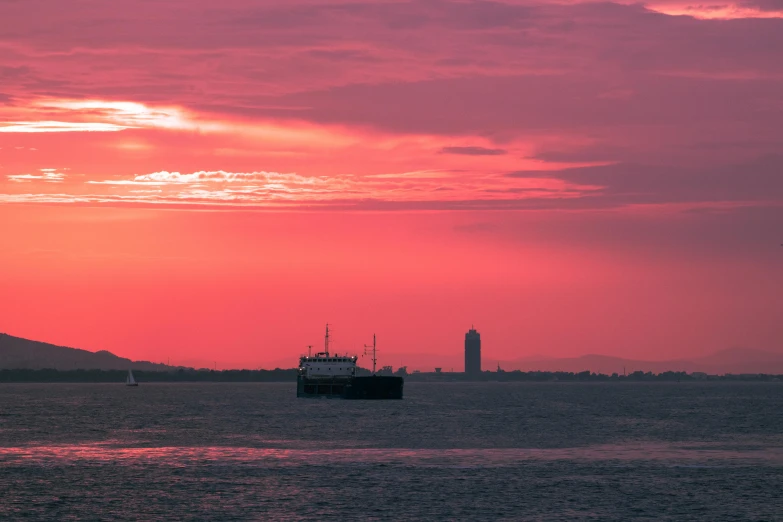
{"x":373,"y":353}
{"x":326,"y":340}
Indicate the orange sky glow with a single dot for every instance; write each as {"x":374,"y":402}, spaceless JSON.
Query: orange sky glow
{"x":211,"y":184}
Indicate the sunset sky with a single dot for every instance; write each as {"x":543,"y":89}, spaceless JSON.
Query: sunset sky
{"x":214,"y":181}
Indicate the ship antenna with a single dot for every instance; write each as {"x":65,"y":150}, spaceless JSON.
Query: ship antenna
{"x":326,"y":340}
{"x":309,"y":350}
{"x":374,"y":359}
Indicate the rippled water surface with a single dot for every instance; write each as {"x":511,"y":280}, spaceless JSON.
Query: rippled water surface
{"x":484,"y":451}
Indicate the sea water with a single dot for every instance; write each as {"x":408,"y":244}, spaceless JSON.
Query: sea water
{"x":455,"y":451}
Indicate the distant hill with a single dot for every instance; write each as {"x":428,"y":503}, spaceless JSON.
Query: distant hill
{"x":605,"y":364}
{"x":733,"y":360}
{"x":17,"y":353}
{"x":743,"y":360}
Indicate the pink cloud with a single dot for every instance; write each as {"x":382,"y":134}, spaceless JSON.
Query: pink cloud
{"x":346,"y":92}
{"x":719,"y":10}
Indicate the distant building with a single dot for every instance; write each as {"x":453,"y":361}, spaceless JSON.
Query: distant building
{"x":473,"y":353}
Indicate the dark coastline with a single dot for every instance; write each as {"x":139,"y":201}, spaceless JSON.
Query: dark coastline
{"x":289,"y":375}
{"x":118,"y":376}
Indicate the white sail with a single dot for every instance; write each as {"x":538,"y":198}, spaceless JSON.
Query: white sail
{"x":130,"y":380}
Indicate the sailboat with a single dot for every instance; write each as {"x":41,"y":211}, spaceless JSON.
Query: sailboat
{"x":130,"y":381}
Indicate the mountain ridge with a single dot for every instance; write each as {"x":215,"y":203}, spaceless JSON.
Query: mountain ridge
{"x":20,"y":353}
{"x":730,"y":360}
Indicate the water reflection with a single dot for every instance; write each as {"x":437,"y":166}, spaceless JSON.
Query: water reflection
{"x":115,"y":451}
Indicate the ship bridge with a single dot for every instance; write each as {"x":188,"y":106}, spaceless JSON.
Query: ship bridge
{"x":325,"y":366}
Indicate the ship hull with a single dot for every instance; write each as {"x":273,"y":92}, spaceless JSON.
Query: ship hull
{"x":375,"y":387}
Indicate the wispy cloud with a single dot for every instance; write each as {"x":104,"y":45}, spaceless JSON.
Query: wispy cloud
{"x":719,"y":11}
{"x":217,"y":177}
{"x":125,"y":113}
{"x":59,"y":126}
{"x":66,"y":115}
{"x":472,"y":151}
{"x":47,"y":175}
{"x":227,"y":189}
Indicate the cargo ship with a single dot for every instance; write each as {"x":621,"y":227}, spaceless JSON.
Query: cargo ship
{"x":333,"y":376}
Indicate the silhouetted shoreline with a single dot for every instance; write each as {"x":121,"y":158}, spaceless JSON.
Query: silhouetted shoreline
{"x":289,"y":375}
{"x":118,"y":376}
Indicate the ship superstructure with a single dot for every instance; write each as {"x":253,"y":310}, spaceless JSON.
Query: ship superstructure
{"x":325,"y":374}
{"x":325,"y":366}
{"x":334,"y":376}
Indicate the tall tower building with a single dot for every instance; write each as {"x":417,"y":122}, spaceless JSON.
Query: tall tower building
{"x":473,"y":353}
